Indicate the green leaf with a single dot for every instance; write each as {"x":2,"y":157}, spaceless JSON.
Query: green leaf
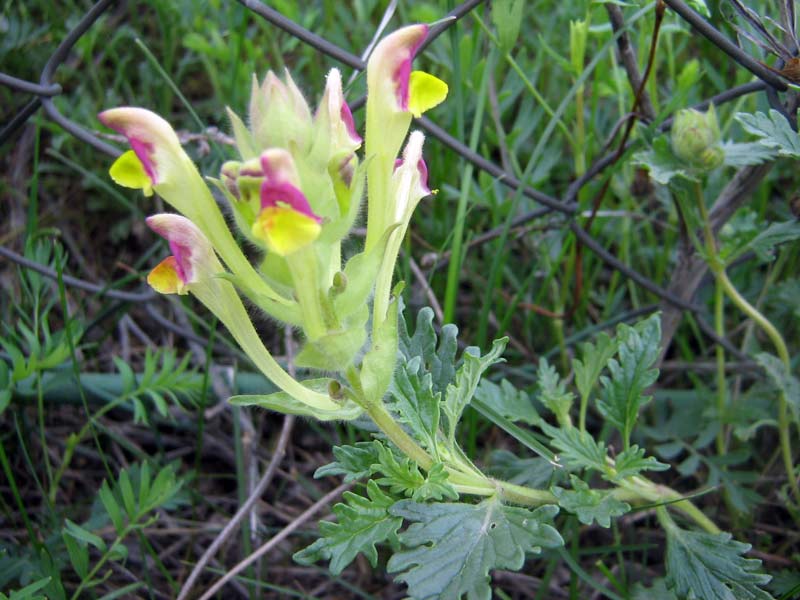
{"x":402,"y":476}
{"x":507,"y":18}
{"x":533,"y":472}
{"x":451,"y":547}
{"x":510,"y":402}
{"x":415,"y":402}
{"x":782,"y":379}
{"x":438,"y":354}
{"x":590,"y":505}
{"x":659,"y":591}
{"x":112,"y":507}
{"x":774,"y":235}
{"x":78,"y":553}
{"x":632,"y":461}
{"x":773,"y":131}
{"x":378,"y":365}
{"x":362,"y":523}
{"x":594,"y":357}
{"x":285,"y":403}
{"x":745,"y":154}
{"x":354,"y":462}
{"x":578,"y":449}
{"x":553,"y":392}
{"x":460,"y":392}
{"x":631,"y":375}
{"x":661,"y":163}
{"x":711,"y":567}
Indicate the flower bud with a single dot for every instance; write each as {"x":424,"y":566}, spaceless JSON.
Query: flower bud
{"x":696,"y":138}
{"x":279,"y":115}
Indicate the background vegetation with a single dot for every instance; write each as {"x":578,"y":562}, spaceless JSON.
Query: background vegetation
{"x":121,"y":461}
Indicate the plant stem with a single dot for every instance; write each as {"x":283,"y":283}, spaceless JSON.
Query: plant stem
{"x":717,"y":266}
{"x":722,"y":387}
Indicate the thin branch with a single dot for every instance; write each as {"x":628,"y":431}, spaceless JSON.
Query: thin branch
{"x":277,"y":539}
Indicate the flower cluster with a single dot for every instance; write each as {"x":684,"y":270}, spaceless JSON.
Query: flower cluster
{"x":295,"y":193}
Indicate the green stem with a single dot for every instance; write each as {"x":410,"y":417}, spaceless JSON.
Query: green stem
{"x":717,"y":266}
{"x":722,"y":386}
{"x":305,"y":276}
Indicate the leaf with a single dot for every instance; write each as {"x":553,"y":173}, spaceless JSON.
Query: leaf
{"x":534,"y":472}
{"x":510,"y":402}
{"x":661,"y":163}
{"x":773,"y":131}
{"x":774,"y":235}
{"x":507,"y":18}
{"x":451,"y":547}
{"x":787,"y":383}
{"x":744,"y":154}
{"x":594,"y":357}
{"x":579,"y":450}
{"x":378,"y":365}
{"x":403,"y":476}
{"x":590,"y":505}
{"x":553,"y":392}
{"x":711,"y":567}
{"x":632,"y":461}
{"x":362,"y":523}
{"x":659,"y":591}
{"x":438,"y":361}
{"x":415,"y":402}
{"x":285,"y":403}
{"x":631,"y":375}
{"x":460,"y":392}
{"x":354,"y":462}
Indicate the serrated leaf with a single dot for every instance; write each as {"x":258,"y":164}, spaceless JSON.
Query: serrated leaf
{"x":744,"y":154}
{"x":578,"y":449}
{"x":774,"y":235}
{"x":590,"y":505}
{"x":508,"y":401}
{"x":460,"y":392}
{"x":622,"y":396}
{"x":451,"y":547}
{"x":553,"y":392}
{"x":632,"y":461}
{"x":661,"y":163}
{"x":362,"y":523}
{"x":438,"y":354}
{"x":782,"y":379}
{"x":415,"y":402}
{"x":658,"y":591}
{"x":773,"y":131}
{"x":594,"y":357}
{"x":402,"y":476}
{"x":354,"y":462}
{"x":711,"y":567}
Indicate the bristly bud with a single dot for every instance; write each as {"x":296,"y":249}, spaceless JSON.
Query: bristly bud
{"x":696,"y":138}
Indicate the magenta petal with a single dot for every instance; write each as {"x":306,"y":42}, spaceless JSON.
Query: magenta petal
{"x":402,"y":73}
{"x":347,"y":117}
{"x":143,"y":150}
{"x":273,"y":193}
{"x":423,"y":174}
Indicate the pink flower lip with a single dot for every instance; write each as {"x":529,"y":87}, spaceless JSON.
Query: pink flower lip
{"x":273,"y":193}
{"x":181,"y":251}
{"x":423,"y":174}
{"x":402,"y":73}
{"x":347,"y":117}
{"x":143,"y":150}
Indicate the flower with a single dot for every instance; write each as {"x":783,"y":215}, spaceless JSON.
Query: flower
{"x":696,"y":138}
{"x":193,"y":259}
{"x":279,"y":115}
{"x":395,"y":93}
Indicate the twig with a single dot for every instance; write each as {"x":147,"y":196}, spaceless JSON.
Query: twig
{"x":277,"y":539}
{"x":244,"y":510}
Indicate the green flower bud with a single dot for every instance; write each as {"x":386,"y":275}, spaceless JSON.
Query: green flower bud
{"x":696,"y":138}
